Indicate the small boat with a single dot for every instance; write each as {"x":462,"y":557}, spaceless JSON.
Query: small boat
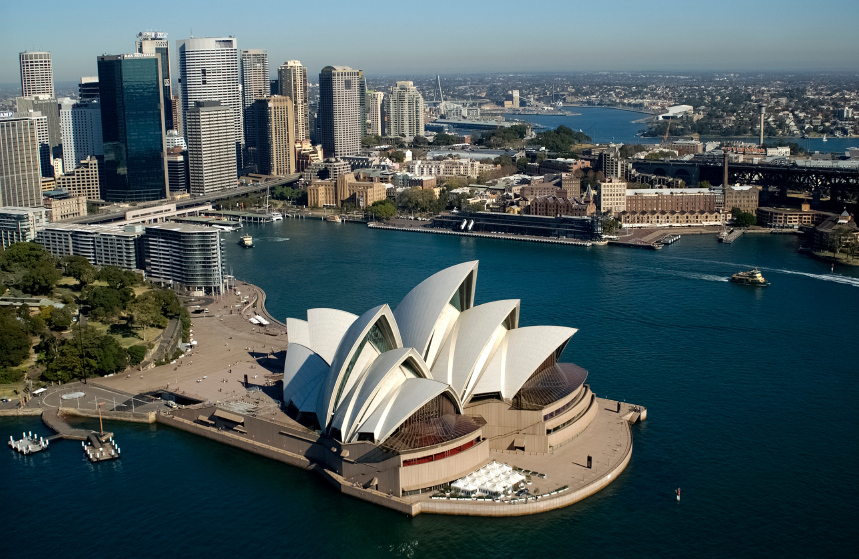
{"x":824,"y":138}
{"x":276,"y":216}
{"x":333,"y":218}
{"x":246,"y":241}
{"x":752,"y":277}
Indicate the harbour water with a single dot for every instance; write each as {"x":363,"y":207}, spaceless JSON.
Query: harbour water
{"x":615,"y":125}
{"x":750,"y":395}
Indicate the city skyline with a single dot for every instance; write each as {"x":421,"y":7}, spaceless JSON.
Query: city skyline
{"x":471,"y":39}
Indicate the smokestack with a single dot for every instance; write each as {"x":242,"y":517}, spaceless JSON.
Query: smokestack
{"x":763,"y":110}
{"x":725,"y":171}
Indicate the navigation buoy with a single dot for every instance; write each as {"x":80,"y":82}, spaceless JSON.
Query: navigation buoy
{"x":678,"y":494}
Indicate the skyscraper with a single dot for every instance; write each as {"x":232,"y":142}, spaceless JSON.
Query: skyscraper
{"x":209,"y":128}
{"x":276,"y":135}
{"x":88,"y":89}
{"x":404,"y":110}
{"x":20,"y":173}
{"x":375,"y":118}
{"x":362,"y":104}
{"x":292,"y":79}
{"x":49,"y":109}
{"x":132,"y":124}
{"x":155,"y":42}
{"x":37,"y":74}
{"x":82,"y":136}
{"x":255,"y":85}
{"x":339,"y":111}
{"x":209,"y":70}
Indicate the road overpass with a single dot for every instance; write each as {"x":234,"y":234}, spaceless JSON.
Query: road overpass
{"x":189,"y":203}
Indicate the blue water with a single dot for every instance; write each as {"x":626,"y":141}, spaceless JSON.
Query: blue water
{"x":751,"y":396}
{"x":615,"y":125}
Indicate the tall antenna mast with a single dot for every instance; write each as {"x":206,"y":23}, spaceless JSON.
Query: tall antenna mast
{"x":438,"y":77}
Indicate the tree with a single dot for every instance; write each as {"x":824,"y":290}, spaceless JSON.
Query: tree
{"x":610,"y":226}
{"x":107,"y":303}
{"x":111,"y":357}
{"x":117,"y":277}
{"x":704,"y":184}
{"x":80,"y":268}
{"x":40,"y":278}
{"x":23,"y":255}
{"x":61,"y":318}
{"x":420,"y":141}
{"x":383,"y":209}
{"x":144,"y":311}
{"x":397,"y":156}
{"x":522,"y":164}
{"x":136,"y":353}
{"x":14,"y":341}
{"x":743,"y":219}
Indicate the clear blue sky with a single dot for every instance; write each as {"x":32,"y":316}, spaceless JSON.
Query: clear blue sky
{"x":455,"y":36}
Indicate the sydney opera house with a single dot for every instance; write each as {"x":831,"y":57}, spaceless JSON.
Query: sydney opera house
{"x":416,"y":399}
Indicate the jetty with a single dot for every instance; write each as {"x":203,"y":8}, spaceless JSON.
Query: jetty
{"x":497,"y":236}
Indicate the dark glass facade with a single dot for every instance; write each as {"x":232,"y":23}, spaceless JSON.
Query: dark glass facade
{"x":132,"y":124}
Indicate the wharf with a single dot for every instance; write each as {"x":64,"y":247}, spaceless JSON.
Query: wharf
{"x":209,"y":222}
{"x":497,"y":236}
{"x":651,"y":246}
{"x":241,"y":217}
{"x":733,"y":236}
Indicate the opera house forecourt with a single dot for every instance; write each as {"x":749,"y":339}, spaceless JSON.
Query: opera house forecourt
{"x":442,"y":406}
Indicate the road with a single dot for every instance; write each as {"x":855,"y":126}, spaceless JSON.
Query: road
{"x":195,"y":201}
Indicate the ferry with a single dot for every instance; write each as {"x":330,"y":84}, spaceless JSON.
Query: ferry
{"x":246,"y":241}
{"x":276,"y":216}
{"x":333,"y":218}
{"x":752,"y":277}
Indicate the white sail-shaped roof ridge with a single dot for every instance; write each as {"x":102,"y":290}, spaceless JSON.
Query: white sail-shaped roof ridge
{"x":326,"y":328}
{"x":399,"y":405}
{"x":526,"y":348}
{"x":419,"y":310}
{"x":468,"y":343}
{"x":303,"y":374}
{"x":299,"y":331}
{"x":383,"y":376}
{"x":335,"y":385}
{"x":493,"y":376}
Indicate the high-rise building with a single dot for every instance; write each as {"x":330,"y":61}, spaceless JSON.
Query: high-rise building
{"x":292,"y":80}
{"x":375,"y":117}
{"x":155,"y":42}
{"x":275,"y":135}
{"x":273,"y":87}
{"x":132,"y":124}
{"x":176,"y":106}
{"x":177,"y":170}
{"x":191,"y":256}
{"x":612,"y":196}
{"x":82,"y":180}
{"x":362,"y":104}
{"x":20,"y":173}
{"x":48,"y":108}
{"x":88,"y":89}
{"x":81,"y":127}
{"x":209,"y":127}
{"x":339,"y":111}
{"x":21,"y":225}
{"x":209,"y":70}
{"x":37,"y":74}
{"x":404,"y":111}
{"x":255,"y":85}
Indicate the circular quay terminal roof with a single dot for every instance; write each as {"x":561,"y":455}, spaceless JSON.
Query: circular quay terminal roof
{"x":443,"y":406}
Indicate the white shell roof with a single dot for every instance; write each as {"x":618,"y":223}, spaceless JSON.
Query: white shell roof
{"x":467,"y":341}
{"x":340,"y":362}
{"x":401,"y":404}
{"x":526,"y":349}
{"x":303,"y":374}
{"x":419,"y":310}
{"x":299,"y":331}
{"x":326,"y":328}
{"x":380,"y":376}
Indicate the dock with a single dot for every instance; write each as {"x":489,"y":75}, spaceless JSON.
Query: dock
{"x":241,"y":217}
{"x":501,"y":236}
{"x":733,"y":236}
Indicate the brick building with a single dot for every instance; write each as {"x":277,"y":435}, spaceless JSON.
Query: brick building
{"x":345,"y":189}
{"x":554,"y":206}
{"x":670,"y":199}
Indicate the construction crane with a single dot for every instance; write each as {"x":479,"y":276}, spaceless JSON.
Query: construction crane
{"x":667,"y":130}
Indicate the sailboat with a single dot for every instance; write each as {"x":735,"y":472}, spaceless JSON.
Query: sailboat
{"x":824,"y":138}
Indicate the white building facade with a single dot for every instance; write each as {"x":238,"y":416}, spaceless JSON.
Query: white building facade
{"x":37,"y":74}
{"x":404,"y":111}
{"x":211,"y":147}
{"x":82,"y":135}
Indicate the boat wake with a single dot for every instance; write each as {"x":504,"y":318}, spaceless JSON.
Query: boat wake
{"x":837,"y":278}
{"x":705,"y":277}
{"x":273,"y":239}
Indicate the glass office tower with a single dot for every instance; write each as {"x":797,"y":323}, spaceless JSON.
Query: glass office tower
{"x":132,"y":121}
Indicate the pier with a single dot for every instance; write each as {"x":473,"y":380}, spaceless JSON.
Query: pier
{"x":500,"y":236}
